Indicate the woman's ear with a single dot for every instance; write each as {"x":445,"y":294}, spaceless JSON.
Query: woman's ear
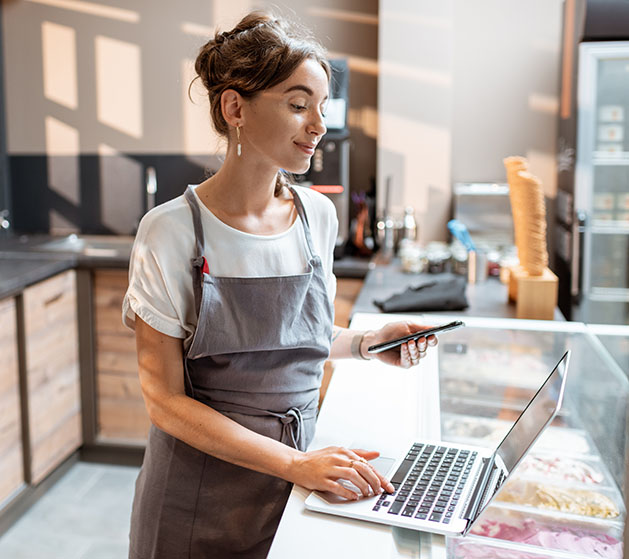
{"x":231,"y":107}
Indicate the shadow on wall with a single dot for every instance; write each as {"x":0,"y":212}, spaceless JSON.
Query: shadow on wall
{"x":94,"y":194}
{"x":95,"y":97}
{"x":97,"y":92}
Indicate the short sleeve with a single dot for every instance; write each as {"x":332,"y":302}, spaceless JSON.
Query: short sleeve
{"x":154,"y":294}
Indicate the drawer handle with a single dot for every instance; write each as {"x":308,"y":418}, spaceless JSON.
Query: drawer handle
{"x":53,"y":299}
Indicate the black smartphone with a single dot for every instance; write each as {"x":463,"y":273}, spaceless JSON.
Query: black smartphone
{"x":421,"y":334}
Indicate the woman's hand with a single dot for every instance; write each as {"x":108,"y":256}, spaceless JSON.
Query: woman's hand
{"x":408,"y":354}
{"x":320,"y":470}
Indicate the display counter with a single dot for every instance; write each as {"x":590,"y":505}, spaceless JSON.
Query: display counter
{"x":566,"y":500}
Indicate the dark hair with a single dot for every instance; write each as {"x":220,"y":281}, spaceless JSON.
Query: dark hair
{"x":260,"y":52}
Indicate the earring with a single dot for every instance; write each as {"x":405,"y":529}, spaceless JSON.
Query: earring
{"x":238,"y":147}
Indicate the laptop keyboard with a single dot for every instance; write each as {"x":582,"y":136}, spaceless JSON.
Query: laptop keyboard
{"x":428,"y":483}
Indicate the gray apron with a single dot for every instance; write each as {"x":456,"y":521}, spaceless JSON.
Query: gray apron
{"x":257,"y":357}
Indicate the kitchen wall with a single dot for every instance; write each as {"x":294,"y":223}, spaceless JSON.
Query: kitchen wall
{"x":96,"y":92}
{"x":462,"y":85}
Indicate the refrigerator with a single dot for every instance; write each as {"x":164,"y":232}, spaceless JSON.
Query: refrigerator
{"x":591,"y":231}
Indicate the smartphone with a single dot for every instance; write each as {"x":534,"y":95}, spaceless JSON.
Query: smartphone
{"x":421,"y":334}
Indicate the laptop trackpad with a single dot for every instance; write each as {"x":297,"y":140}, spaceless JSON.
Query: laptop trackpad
{"x":382,"y":464}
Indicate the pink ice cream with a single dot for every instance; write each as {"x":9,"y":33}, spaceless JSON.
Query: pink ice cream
{"x":562,"y":538}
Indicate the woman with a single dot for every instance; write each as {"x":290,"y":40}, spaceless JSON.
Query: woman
{"x":230,"y":295}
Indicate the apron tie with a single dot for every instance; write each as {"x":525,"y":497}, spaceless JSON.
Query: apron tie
{"x":292,"y":420}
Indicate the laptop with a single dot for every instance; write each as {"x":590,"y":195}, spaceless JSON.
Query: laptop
{"x":443,"y":487}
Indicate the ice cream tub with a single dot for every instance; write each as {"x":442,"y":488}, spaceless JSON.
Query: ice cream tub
{"x":481,"y":431}
{"x":599,"y":503}
{"x":547,"y":467}
{"x":507,"y":410}
{"x":492,"y":392}
{"x":508,"y":534}
{"x":489,"y":432}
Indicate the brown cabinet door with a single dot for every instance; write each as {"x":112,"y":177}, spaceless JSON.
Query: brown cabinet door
{"x":11,"y":457}
{"x":121,"y":414}
{"x":52,"y":372}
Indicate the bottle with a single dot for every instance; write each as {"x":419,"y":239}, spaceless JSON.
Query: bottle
{"x":409,"y":225}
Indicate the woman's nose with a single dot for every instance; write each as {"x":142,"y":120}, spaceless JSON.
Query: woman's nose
{"x":318,"y":126}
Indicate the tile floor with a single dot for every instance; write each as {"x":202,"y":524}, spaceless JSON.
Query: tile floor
{"x":85,"y":515}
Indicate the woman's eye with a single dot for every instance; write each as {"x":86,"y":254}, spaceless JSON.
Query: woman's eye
{"x":298,"y":107}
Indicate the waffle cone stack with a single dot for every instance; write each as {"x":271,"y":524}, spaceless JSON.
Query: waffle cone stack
{"x":529,"y":215}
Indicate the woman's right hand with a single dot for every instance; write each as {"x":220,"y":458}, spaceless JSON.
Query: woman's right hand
{"x":321,"y":469}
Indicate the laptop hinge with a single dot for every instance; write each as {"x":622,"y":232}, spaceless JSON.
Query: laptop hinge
{"x":479,"y":491}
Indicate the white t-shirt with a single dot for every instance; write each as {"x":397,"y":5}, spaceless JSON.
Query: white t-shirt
{"x":160,"y":272}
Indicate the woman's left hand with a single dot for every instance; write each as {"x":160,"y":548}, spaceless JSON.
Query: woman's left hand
{"x":408,"y":354}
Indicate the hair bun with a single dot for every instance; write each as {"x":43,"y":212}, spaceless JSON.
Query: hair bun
{"x":259,"y":52}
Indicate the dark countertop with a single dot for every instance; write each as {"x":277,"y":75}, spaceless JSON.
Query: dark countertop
{"x":27,"y":259}
{"x":16,"y":273}
{"x":486,"y":299}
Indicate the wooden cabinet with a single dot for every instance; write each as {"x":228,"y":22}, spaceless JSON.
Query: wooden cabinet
{"x":52,"y":373}
{"x":11,"y":457}
{"x":121,"y":414}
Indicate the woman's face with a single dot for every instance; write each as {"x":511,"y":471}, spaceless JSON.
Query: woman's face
{"x":283,"y":124}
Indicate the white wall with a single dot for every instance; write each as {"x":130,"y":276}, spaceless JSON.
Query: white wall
{"x":111,"y":77}
{"x":463,"y":84}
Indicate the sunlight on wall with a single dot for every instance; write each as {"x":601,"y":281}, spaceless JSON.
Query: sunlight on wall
{"x":59,"y":64}
{"x":343,"y":15}
{"x":121,"y":189}
{"x":62,"y":149}
{"x":227,"y":14}
{"x":197,"y":30}
{"x":425,"y":154}
{"x":61,"y":139}
{"x":199,"y":135}
{"x":92,"y":8}
{"x":119,"y":85}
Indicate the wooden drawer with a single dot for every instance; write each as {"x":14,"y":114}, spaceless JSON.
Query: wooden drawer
{"x":11,"y":456}
{"x":122,"y":416}
{"x":52,"y":372}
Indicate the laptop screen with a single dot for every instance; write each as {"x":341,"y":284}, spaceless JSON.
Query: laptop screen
{"x":538,"y":413}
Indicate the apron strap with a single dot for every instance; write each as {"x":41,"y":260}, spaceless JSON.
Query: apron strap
{"x":292,"y":420}
{"x":304,"y":219}
{"x":198,"y":262}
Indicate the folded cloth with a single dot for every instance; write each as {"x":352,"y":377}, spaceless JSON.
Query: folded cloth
{"x":440,"y":292}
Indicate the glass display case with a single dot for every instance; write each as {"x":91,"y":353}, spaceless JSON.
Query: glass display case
{"x":615,"y":339}
{"x":566,"y":499}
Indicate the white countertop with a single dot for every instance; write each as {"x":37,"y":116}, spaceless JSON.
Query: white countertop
{"x":373,"y":406}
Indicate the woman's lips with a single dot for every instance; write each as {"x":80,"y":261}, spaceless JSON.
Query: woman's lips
{"x":306,"y":148}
